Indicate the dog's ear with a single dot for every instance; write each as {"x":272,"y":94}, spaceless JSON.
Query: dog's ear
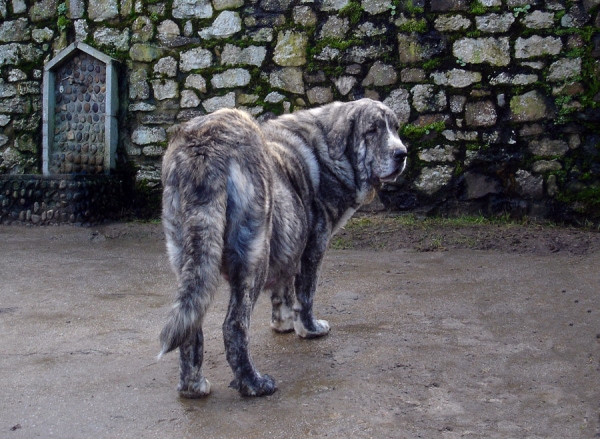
{"x":339,"y":135}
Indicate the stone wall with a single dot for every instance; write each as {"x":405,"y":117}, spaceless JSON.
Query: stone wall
{"x":66,"y":199}
{"x":499,"y":99}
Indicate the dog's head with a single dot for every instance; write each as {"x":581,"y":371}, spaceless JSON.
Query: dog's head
{"x":366,"y":131}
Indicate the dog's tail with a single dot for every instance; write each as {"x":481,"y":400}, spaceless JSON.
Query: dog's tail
{"x":194,"y":216}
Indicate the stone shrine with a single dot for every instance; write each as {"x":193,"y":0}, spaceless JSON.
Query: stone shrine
{"x":80,"y":133}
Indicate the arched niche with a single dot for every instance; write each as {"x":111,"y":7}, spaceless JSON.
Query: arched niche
{"x":80,"y":104}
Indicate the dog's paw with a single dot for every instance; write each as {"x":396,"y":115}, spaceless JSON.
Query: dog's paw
{"x":255,"y":386}
{"x":197,"y":389}
{"x":282,"y":326}
{"x":318,"y":328}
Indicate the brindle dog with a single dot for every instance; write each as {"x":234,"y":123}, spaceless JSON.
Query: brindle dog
{"x":257,"y":204}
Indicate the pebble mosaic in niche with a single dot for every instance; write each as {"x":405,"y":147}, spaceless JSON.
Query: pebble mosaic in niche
{"x":80,"y":132}
{"x":79,"y":125}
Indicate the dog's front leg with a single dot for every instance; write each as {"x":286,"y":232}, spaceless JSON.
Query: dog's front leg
{"x":248,"y":381}
{"x":192,"y":383}
{"x":282,"y":300}
{"x":305,"y":324}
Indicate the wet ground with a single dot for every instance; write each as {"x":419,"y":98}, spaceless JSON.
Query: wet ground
{"x":461,"y":343}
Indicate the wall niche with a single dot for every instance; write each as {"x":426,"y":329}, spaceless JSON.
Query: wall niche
{"x":80,"y":104}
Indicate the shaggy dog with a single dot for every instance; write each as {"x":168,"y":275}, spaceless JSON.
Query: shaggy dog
{"x":258,"y":204}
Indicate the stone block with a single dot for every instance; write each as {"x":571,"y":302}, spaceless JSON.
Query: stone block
{"x":479,"y":185}
{"x":375,"y":7}
{"x":538,"y":20}
{"x":335,"y":27}
{"x":103,"y":10}
{"x":493,"y":51}
{"x":213,"y":104}
{"x":158,"y":119}
{"x":439,"y":154}
{"x":19,"y":7}
{"x":494,"y":23}
{"x":275,"y":5}
{"x":42,"y":35}
{"x":142,"y":30}
{"x":226,"y":24}
{"x":531,"y":106}
{"x":227,"y":4}
{"x":138,"y":85}
{"x":15,"y":30}
{"x":288,"y":79}
{"x":252,"y":55}
{"x":166,"y":66}
{"x":345,"y":84}
{"x":451,"y":23}
{"x":537,"y":46}
{"x":380,"y":75}
{"x":576,"y":17}
{"x":398,"y":101}
{"x":184,"y":9}
{"x":290,"y":50}
{"x":16,"y":105}
{"x":81,"y":30}
{"x":514,"y":79}
{"x":196,"y":81}
{"x":231,"y":78}
{"x":480,"y":114}
{"x":333,"y":5}
{"x":414,"y":47}
{"x":304,"y":16}
{"x":197,"y":58}
{"x":7,"y":90}
{"x":141,"y":106}
{"x":153,"y":151}
{"x":426,"y":99}
{"x":144,"y":52}
{"x":529,"y":186}
{"x":548,"y":147}
{"x":110,"y":37}
{"x":544,"y":166}
{"x":362,"y":54}
{"x":319,"y":95}
{"x":564,"y":69}
{"x":457,"y":103}
{"x":412,"y":75}
{"x":43,"y":10}
{"x":148,"y":135}
{"x":431,"y":180}
{"x":369,"y":29}
{"x":165,"y":89}
{"x":457,"y":78}
{"x":274,"y":97}
{"x":449,"y":5}
{"x":168,"y":27}
{"x":29,"y":88}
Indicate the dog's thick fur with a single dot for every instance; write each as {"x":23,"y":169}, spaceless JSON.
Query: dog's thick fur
{"x":258,"y":204}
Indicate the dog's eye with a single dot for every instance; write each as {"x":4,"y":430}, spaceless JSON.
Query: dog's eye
{"x":372,"y":130}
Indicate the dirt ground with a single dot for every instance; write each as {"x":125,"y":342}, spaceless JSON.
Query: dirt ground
{"x":449,"y":331}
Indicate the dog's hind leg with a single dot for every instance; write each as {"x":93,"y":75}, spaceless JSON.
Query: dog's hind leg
{"x":282,"y":315}
{"x":192,"y":383}
{"x":248,"y":381}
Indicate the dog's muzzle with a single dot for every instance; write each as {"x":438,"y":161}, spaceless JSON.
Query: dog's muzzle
{"x":399,"y":160}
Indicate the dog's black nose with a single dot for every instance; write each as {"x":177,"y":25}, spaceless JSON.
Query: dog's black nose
{"x":399,"y":154}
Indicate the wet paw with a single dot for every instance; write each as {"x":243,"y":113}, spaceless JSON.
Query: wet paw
{"x":256,"y":386}
{"x":318,"y":328}
{"x":282,"y":326}
{"x":196,"y":389}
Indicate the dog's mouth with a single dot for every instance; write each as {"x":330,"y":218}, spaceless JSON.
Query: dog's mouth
{"x":393,"y":176}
